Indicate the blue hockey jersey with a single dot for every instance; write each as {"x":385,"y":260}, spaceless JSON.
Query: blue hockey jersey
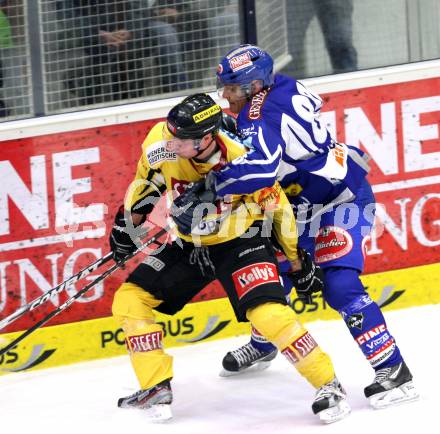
{"x":288,"y":143}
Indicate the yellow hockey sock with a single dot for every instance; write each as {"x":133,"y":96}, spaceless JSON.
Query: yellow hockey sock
{"x":133,"y":310}
{"x":279,"y":324}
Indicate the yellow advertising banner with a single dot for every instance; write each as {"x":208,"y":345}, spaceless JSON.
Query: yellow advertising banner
{"x":201,"y":321}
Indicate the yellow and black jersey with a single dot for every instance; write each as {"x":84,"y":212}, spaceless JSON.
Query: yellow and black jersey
{"x":159,"y":170}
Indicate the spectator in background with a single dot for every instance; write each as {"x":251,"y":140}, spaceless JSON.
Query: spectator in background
{"x":165,"y":47}
{"x":111,"y":35}
{"x":5,"y":42}
{"x":224,"y":26}
{"x":192,"y":29}
{"x":335,"y":20}
{"x":167,"y":51}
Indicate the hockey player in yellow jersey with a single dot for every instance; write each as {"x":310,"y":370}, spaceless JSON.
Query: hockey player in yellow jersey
{"x":228,"y":244}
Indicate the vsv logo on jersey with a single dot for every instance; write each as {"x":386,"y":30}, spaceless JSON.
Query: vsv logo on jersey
{"x":247,"y":278}
{"x":355,"y":320}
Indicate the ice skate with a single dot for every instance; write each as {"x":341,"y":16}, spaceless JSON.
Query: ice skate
{"x":391,"y":386}
{"x":330,"y":402}
{"x":156,"y":400}
{"x":245,"y":358}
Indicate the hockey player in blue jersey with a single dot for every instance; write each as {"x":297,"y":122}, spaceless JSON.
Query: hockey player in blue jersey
{"x":326,"y":183}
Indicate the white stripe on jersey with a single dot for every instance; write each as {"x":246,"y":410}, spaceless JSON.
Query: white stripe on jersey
{"x":269,"y":160}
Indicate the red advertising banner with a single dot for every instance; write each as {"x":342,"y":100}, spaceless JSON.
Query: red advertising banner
{"x":398,"y":125}
{"x":59,"y":193}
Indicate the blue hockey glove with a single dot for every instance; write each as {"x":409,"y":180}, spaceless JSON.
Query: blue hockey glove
{"x":309,"y":279}
{"x":186,"y":210}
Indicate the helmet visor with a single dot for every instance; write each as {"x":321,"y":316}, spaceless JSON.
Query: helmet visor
{"x":234,"y":90}
{"x":185,"y":148}
{"x":238,"y":91}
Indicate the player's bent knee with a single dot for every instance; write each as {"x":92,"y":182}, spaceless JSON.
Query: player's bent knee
{"x":132,"y":303}
{"x":341,"y":286}
{"x":276,"y":322}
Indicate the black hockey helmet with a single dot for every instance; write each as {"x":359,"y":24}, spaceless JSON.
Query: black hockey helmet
{"x":196,"y":116}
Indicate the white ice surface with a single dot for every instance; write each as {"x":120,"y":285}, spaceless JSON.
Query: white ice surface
{"x":82,"y":398}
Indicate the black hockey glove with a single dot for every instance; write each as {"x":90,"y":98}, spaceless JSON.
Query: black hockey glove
{"x":123,"y":236}
{"x":309,"y":279}
{"x":229,"y":123}
{"x":186,"y":210}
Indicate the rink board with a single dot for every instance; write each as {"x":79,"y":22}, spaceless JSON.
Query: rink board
{"x":64,"y":177}
{"x":202,"y":321}
{"x":63,"y":180}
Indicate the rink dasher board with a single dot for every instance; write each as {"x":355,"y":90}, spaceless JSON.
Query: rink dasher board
{"x":48,"y":155}
{"x":200,"y":322}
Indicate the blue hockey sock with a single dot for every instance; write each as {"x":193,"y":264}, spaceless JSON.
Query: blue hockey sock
{"x":345,"y":292}
{"x":259,"y":342}
{"x":367,"y":325}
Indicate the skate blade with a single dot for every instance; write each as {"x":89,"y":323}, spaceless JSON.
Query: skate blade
{"x":159,"y":413}
{"x":335,"y":413}
{"x":400,"y":395}
{"x":259,"y":366}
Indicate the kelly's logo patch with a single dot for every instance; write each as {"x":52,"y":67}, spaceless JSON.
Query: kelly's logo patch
{"x":247,"y":278}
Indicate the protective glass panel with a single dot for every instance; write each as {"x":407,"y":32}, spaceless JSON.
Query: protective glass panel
{"x":113,"y":51}
{"x":332,"y":36}
{"x":15,"y":74}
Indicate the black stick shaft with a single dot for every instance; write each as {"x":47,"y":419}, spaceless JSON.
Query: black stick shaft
{"x":81,"y":292}
{"x":54,"y":291}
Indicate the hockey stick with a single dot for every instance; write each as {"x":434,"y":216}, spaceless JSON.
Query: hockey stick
{"x":82,"y":291}
{"x":54,"y":291}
